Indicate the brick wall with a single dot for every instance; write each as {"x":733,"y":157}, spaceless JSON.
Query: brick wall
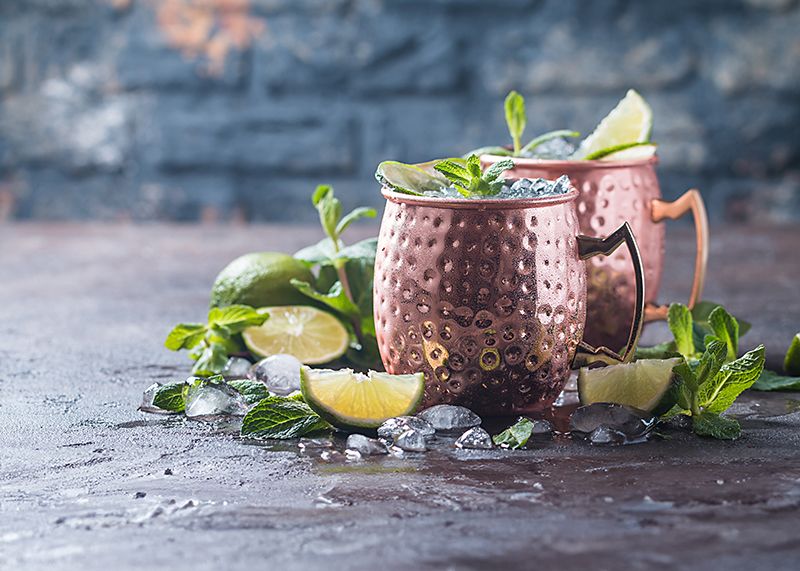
{"x":235,"y":109}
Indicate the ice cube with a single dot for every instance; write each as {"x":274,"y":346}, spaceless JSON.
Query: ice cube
{"x":212,"y":398}
{"x":447,"y":417}
{"x":475,"y":438}
{"x":541,"y":428}
{"x":631,"y":422}
{"x":607,"y":436}
{"x":554,"y":149}
{"x":306,"y":444}
{"x":394,"y":427}
{"x":562,"y":185}
{"x":236,"y":368}
{"x":147,"y":400}
{"x":411,"y":441}
{"x":281,"y":373}
{"x":365,"y":446}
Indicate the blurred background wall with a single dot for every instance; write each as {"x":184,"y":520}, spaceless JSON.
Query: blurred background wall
{"x":235,"y":109}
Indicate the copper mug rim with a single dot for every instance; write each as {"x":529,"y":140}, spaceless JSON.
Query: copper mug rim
{"x":574,"y":165}
{"x":479,"y":203}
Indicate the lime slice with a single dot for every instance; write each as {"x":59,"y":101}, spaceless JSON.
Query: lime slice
{"x":629,"y":152}
{"x":355,"y":400}
{"x":409,"y":179}
{"x":792,"y":362}
{"x":311,"y":335}
{"x":629,"y":122}
{"x":641,"y":384}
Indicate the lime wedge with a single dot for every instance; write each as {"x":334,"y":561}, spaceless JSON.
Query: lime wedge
{"x":409,"y":179}
{"x":311,"y":335}
{"x":641,"y":384}
{"x":792,"y":362}
{"x":629,"y":122}
{"x":628,"y":152}
{"x":354,"y":400}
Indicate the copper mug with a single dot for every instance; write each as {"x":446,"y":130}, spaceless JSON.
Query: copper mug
{"x":488,"y":297}
{"x":613,"y":192}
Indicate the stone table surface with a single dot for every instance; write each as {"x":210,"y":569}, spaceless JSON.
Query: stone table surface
{"x":87,"y":482}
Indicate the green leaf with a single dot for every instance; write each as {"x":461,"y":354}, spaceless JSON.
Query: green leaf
{"x":733,"y":378}
{"x":364,"y":250}
{"x":185,"y":336}
{"x":329,"y":208}
{"x":235,"y":318}
{"x":548,"y":136}
{"x":716,"y":426}
{"x":409,"y":179}
{"x":710,"y":363}
{"x":211,"y":360}
{"x":253,"y":391}
{"x":335,"y":298}
{"x":726,"y":329}
{"x":171,"y":396}
{"x":686,"y":388}
{"x":284,"y":418}
{"x":702,"y":310}
{"x":791,"y":363}
{"x":515,"y":118}
{"x":321,"y":252}
{"x":496,"y":151}
{"x":771,"y":381}
{"x":455,"y":172}
{"x":357,"y":214}
{"x":497,"y":169}
{"x":680,"y":323}
{"x":516,"y":435}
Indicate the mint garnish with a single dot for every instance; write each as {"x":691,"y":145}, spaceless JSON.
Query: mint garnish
{"x":252,"y":391}
{"x":210,"y":344}
{"x":516,"y":435}
{"x":515,"y":118}
{"x":276,"y":417}
{"x":171,"y":396}
{"x":470,"y":180}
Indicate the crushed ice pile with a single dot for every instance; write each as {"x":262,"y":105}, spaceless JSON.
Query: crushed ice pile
{"x":515,"y":189}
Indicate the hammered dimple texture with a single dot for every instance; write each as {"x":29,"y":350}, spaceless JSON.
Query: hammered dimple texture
{"x":489,"y":304}
{"x":609,"y":196}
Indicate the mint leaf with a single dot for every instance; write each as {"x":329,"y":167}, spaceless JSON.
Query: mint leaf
{"x":516,"y":435}
{"x":732,"y":379}
{"x":771,"y":381}
{"x":363,"y":250}
{"x":235,"y":318}
{"x":515,"y":118}
{"x":358,"y":213}
{"x":726,"y":329}
{"x":680,"y":323}
{"x":253,"y":391}
{"x":497,"y":169}
{"x":455,"y":172}
{"x":171,"y":396}
{"x":702,"y":310}
{"x":335,"y":298}
{"x":211,"y":360}
{"x":185,"y":336}
{"x":323,"y":252}
{"x":716,"y":426}
{"x":329,"y":208}
{"x":710,"y":363}
{"x":284,"y":418}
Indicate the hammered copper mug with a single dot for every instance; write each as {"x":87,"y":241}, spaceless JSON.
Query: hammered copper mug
{"x":613,"y":192}
{"x":488,"y":297}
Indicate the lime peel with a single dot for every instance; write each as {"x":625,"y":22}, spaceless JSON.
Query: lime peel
{"x":642,"y":384}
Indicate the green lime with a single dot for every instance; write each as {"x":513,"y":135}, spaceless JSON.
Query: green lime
{"x":312,"y":335}
{"x":641,"y":384}
{"x":261,"y":279}
{"x":792,"y":362}
{"x":351,"y":400}
{"x":627,"y":152}
{"x":629,"y":122}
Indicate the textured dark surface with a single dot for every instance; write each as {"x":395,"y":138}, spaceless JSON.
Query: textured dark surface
{"x":187,"y":109}
{"x":83,"y":312}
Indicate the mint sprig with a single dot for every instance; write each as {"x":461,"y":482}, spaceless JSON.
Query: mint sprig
{"x":516,"y":435}
{"x":711,"y":381}
{"x":211,"y":343}
{"x":344,"y":273}
{"x":516,"y":118}
{"x":470,"y":180}
{"x":276,"y":417}
{"x":171,"y":396}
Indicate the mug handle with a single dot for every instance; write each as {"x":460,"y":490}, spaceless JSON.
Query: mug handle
{"x":589,"y":247}
{"x":690,"y":201}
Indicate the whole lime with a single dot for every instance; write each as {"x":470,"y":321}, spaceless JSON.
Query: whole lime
{"x":261,"y":279}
